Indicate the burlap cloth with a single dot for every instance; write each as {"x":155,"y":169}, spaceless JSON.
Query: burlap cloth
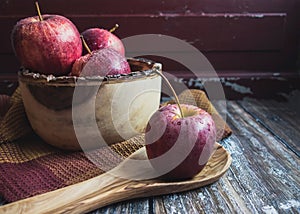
{"x":28,"y":166}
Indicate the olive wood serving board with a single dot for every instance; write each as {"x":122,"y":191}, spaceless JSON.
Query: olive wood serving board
{"x":107,"y":188}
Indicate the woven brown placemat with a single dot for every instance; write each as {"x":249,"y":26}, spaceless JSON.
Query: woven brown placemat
{"x":28,"y":166}
{"x":14,"y":124}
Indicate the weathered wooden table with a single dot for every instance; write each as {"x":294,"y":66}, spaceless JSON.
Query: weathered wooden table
{"x":264,"y":176}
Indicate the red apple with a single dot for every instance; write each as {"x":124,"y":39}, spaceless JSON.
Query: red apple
{"x":48,"y":44}
{"x":101,"y":62}
{"x":97,"y":38}
{"x":179,"y":147}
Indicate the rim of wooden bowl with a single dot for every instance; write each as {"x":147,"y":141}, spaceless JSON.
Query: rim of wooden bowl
{"x":30,"y":77}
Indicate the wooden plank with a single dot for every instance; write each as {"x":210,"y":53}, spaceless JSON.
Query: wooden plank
{"x":225,"y":47}
{"x":236,"y":84}
{"x":207,"y":32}
{"x":242,"y":62}
{"x":210,"y":25}
{"x":242,"y":5}
{"x":270,"y":170}
{"x":131,"y":206}
{"x":145,"y":6}
{"x":280,"y":118}
{"x":92,"y":7}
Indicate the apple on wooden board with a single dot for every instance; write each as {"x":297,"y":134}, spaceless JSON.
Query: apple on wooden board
{"x":101,"y":62}
{"x":186,"y":142}
{"x":97,"y":38}
{"x":179,"y":139}
{"x":48,"y":44}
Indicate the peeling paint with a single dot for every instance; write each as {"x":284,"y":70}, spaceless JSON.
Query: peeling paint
{"x":192,"y":82}
{"x":276,"y":74}
{"x":188,"y":13}
{"x":257,"y":15}
{"x":290,"y":204}
{"x":239,"y":88}
{"x":255,"y":78}
{"x":200,"y":83}
{"x":194,"y":41}
{"x":269,"y":210}
{"x":237,"y":15}
{"x":230,"y":78}
{"x":230,"y":15}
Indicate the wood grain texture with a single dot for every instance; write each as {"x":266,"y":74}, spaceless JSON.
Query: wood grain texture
{"x":263,"y":176}
{"x":14,"y":7}
{"x":268,"y":37}
{"x":266,"y":173}
{"x":274,"y":117}
{"x":106,"y":188}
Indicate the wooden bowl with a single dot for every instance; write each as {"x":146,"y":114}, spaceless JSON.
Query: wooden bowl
{"x":76,"y":113}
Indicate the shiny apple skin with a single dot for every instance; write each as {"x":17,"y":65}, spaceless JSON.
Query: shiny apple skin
{"x":198,"y":132}
{"x":97,"y":38}
{"x":49,"y":47}
{"x":101,"y":62}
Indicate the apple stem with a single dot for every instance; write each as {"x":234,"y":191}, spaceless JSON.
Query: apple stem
{"x":173,"y":91}
{"x":38,"y":11}
{"x":85,"y":45}
{"x":114,"y":28}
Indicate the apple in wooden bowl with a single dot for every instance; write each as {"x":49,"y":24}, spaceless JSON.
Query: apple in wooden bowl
{"x":84,"y":112}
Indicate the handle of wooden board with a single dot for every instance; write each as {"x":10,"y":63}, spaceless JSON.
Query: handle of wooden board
{"x":84,"y":196}
{"x":70,"y":198}
{"x":109,"y":188}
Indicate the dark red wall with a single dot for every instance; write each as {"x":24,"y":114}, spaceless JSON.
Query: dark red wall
{"x":241,"y":38}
